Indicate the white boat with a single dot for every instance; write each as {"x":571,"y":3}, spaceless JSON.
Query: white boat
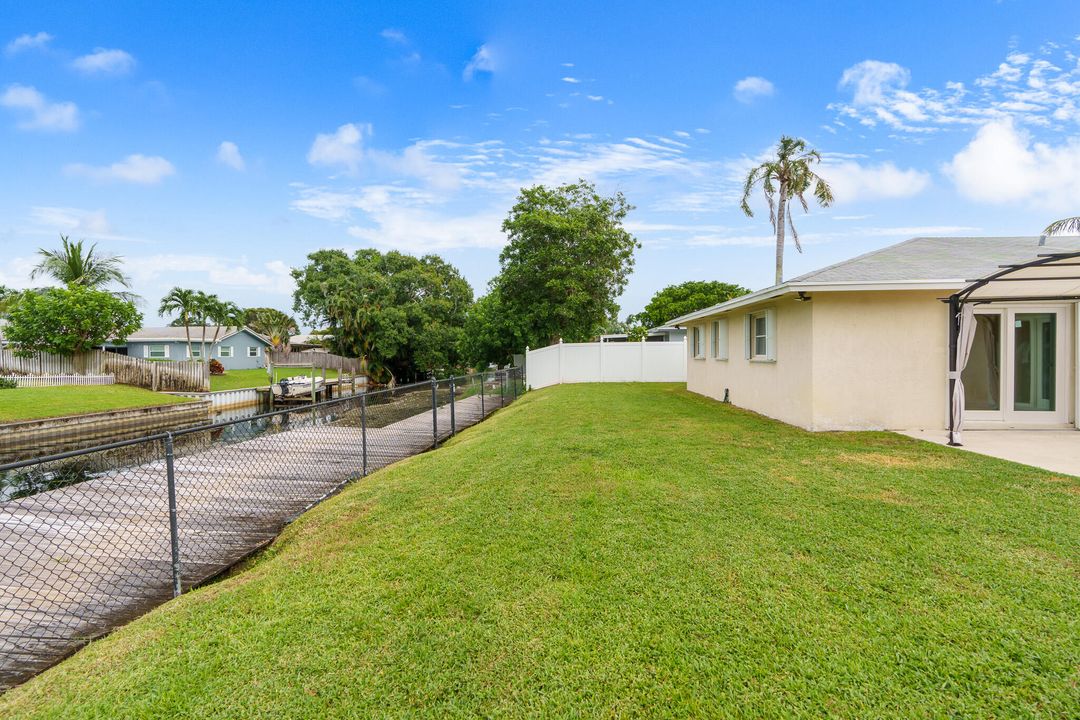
{"x":297,"y":386}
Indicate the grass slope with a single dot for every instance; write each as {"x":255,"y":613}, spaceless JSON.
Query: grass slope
{"x":33,"y":403}
{"x":629,"y":550}
{"x":257,"y":377}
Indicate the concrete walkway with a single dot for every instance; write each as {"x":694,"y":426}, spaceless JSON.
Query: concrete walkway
{"x":1054,"y":450}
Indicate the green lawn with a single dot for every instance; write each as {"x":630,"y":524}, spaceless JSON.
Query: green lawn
{"x":257,"y":377}
{"x":32,"y":403}
{"x":635,"y":551}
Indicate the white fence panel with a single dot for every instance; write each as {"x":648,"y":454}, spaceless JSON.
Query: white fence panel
{"x":59,"y":380}
{"x":606,"y":362}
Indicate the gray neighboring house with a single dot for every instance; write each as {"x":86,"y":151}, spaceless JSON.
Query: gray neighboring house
{"x":236,"y":348}
{"x":664,"y":333}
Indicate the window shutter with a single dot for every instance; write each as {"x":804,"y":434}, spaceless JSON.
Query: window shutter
{"x":146,"y":351}
{"x":770,"y":334}
{"x":166,"y":351}
{"x":722,"y":339}
{"x":747,"y":335}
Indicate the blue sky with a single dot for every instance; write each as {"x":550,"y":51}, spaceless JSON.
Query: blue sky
{"x":215,"y":147}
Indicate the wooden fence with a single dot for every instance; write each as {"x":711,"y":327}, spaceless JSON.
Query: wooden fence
{"x":184,"y":376}
{"x":352,"y":366}
{"x":56,"y":380}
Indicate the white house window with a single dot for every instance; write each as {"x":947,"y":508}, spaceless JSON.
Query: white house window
{"x":696,"y":343}
{"x":253,"y":351}
{"x":157,"y":352}
{"x":225,"y":351}
{"x":761,"y":335}
{"x":195,"y":353}
{"x":720,"y":339}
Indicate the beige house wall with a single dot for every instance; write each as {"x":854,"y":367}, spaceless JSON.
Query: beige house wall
{"x":844,"y":361}
{"x":880,"y":360}
{"x":780,"y":389}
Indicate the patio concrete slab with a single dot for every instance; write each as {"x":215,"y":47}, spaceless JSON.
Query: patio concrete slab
{"x":1054,"y":450}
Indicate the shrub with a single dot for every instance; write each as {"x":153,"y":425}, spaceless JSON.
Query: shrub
{"x":216,"y":368}
{"x":8,"y":383}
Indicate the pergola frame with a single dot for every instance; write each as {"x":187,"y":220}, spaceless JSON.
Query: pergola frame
{"x":958,"y":299}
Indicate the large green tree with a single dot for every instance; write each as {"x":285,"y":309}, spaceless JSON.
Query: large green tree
{"x":687,"y":297}
{"x":567,"y":260}
{"x":69,"y":320}
{"x":73,"y":264}
{"x":403,"y":315}
{"x":786,"y":177}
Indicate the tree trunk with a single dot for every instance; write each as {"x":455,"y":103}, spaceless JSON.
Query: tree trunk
{"x":781,"y":210}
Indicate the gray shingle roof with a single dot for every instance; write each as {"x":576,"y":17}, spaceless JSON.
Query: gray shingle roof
{"x":177,"y":333}
{"x":938,"y":258}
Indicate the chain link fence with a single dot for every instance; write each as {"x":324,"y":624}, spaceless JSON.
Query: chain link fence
{"x":92,"y":538}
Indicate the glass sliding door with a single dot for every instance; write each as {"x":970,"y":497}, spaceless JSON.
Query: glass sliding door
{"x":1015,"y":372}
{"x":1035,"y":369}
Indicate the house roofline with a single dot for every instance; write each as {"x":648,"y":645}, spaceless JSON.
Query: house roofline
{"x":771,"y":293}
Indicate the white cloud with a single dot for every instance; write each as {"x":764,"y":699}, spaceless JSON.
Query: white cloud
{"x":28,"y":42}
{"x":394,"y":36}
{"x":851,"y":181}
{"x":343,"y":147}
{"x":229,"y":154}
{"x":872,"y":80}
{"x":1003,"y":164}
{"x":751,"y":88}
{"x":1032,"y":91}
{"x":83,"y":223}
{"x":37,"y":113}
{"x":150,"y":271}
{"x":595,"y":98}
{"x":138,"y":169}
{"x":105,"y":61}
{"x":571,"y":80}
{"x":483,"y":60}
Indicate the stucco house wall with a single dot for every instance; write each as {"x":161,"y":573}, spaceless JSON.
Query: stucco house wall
{"x":780,"y":388}
{"x":843,"y":361}
{"x":880,"y":360}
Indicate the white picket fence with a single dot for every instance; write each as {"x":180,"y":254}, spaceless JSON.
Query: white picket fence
{"x":57,"y":380}
{"x":606,"y":362}
{"x":189,"y":375}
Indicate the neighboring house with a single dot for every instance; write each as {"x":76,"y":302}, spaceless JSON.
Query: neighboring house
{"x":665,"y":333}
{"x":306,"y":341}
{"x":236,"y":348}
{"x":865,"y":344}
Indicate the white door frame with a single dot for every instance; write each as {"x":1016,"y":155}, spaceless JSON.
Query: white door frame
{"x":1065,"y":382}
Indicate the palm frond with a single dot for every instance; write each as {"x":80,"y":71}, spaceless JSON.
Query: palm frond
{"x":1065,"y":226}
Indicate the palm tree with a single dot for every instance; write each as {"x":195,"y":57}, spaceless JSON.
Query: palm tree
{"x":74,"y":265}
{"x":185,"y":303}
{"x":1066,"y":226}
{"x":785,"y":177}
{"x":221,"y":313}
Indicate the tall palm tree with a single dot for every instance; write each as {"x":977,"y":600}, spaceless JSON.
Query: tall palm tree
{"x":787,"y":176}
{"x":1065,"y":226}
{"x":73,"y":264}
{"x":221,"y":313}
{"x":185,"y":303}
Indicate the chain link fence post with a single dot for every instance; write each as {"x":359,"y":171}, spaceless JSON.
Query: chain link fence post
{"x":453,"y":419}
{"x":363,"y":433}
{"x":481,"y":395}
{"x":434,"y":412}
{"x":174,"y":530}
{"x":502,"y":389}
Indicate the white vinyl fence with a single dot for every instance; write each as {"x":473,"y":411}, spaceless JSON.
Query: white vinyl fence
{"x":57,"y":380}
{"x":606,"y":362}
